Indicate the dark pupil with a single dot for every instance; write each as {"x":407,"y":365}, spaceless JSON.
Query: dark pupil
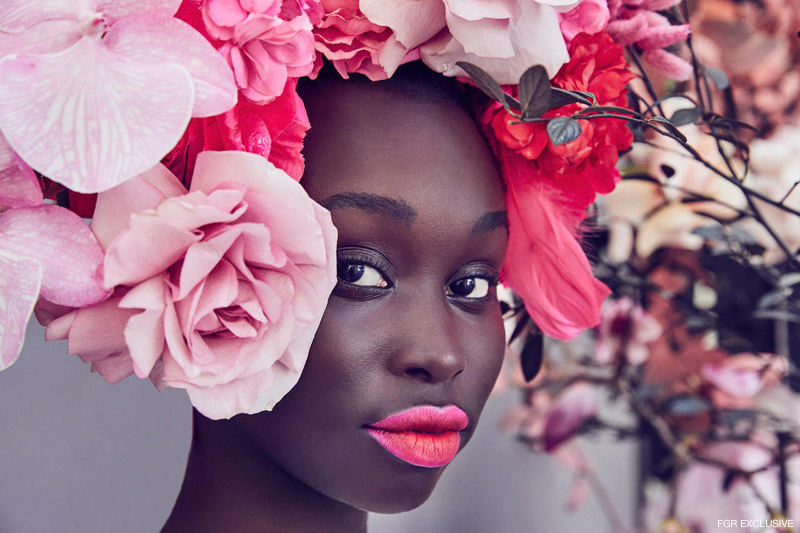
{"x":463,"y":287}
{"x":350,"y":272}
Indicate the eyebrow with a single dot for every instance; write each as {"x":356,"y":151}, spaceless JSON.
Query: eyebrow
{"x":372,"y":203}
{"x":491,"y":221}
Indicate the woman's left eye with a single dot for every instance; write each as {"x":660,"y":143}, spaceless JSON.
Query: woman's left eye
{"x":469,"y":288}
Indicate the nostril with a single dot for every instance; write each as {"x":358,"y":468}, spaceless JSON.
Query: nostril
{"x":419,"y":373}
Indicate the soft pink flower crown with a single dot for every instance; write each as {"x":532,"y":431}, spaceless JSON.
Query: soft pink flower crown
{"x":219,"y":289}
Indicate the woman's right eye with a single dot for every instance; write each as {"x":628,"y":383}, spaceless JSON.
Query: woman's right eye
{"x":361,"y":274}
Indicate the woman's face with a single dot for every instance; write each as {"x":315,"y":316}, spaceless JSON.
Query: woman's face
{"x":414,"y":320}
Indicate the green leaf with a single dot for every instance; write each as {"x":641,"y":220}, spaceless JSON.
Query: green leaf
{"x":561,"y":97}
{"x":532,"y":356}
{"x":484,"y":81}
{"x":562,"y":130}
{"x":720,"y":79}
{"x":534,"y":92}
{"x":681,"y":117}
{"x":672,"y":129}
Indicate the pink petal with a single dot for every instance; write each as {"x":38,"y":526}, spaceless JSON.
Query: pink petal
{"x":63,"y":245}
{"x":19,"y":15}
{"x":485,"y":37}
{"x":202,"y":257}
{"x":114,"y":10}
{"x":115,"y":206}
{"x":90,"y":118}
{"x":144,"y":335}
{"x":669,"y":64}
{"x":161,"y":40}
{"x":229,"y":399}
{"x":97,"y":331}
{"x":134,"y":255}
{"x":19,"y":289}
{"x":628,"y":31}
{"x":572,"y":408}
{"x":545,"y":263}
{"x":536,"y":39}
{"x":480,"y":9}
{"x":413,"y":21}
{"x":225,"y":12}
{"x":114,"y":368}
{"x":18,"y":184}
{"x":663,"y":36}
{"x":46,"y":37}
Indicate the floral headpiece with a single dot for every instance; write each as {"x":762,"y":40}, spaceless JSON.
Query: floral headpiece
{"x":176,"y":127}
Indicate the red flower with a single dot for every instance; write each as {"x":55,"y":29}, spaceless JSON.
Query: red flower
{"x":587,"y":165}
{"x":275,"y":131}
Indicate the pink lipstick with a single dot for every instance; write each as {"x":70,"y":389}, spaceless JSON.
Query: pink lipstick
{"x":422,"y":436}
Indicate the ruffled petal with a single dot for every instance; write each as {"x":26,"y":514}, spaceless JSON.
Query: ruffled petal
{"x":90,"y":118}
{"x":158,"y":40}
{"x":19,"y":15}
{"x":480,"y":9}
{"x":412,"y":21}
{"x":536,"y":40}
{"x":63,"y":245}
{"x":49,"y":36}
{"x":485,"y":38}
{"x":18,"y":184}
{"x":20,"y":280}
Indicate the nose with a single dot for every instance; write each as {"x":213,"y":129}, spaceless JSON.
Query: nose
{"x":429,"y":348}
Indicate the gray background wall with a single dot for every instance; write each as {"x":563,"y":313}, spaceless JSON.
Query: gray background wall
{"x":77,"y":455}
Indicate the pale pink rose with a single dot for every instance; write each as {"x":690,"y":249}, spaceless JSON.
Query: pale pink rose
{"x":264,"y":42}
{"x":625,"y":329}
{"x":353,"y":44}
{"x":226,"y":301}
{"x":590,"y":16}
{"x":569,"y":412}
{"x":44,"y":249}
{"x":98,"y":91}
{"x":503,"y":37}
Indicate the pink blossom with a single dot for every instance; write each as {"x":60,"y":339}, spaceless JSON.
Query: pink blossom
{"x":625,"y":328}
{"x":225,"y":303}
{"x":96,"y":92}
{"x":567,"y":414}
{"x":636,"y":21}
{"x":738,"y":378}
{"x":502,"y":37}
{"x":590,"y":16}
{"x":354,"y":44}
{"x":264,"y":42}
{"x":44,"y":249}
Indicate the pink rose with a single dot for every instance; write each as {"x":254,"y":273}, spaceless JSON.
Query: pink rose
{"x":265,"y":42}
{"x":503,"y":37}
{"x":590,"y":16}
{"x":354,"y":44}
{"x":226,"y":300}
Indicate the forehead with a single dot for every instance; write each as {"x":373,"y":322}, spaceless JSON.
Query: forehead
{"x":371,"y":140}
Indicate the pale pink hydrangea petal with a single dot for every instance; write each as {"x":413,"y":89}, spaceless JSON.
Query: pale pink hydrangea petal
{"x":115,"y":206}
{"x":18,"y":184}
{"x":156,"y":40}
{"x":113,"y":10}
{"x":79,"y":117}
{"x":536,"y":39}
{"x":63,"y":245}
{"x":412,"y":21}
{"x":19,"y":288}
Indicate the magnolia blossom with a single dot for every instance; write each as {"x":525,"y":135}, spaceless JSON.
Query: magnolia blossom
{"x":568,"y":413}
{"x":225,"y":303}
{"x":625,"y":329}
{"x":44,"y":249}
{"x":265,"y":43}
{"x":95,"y":92}
{"x":503,"y":37}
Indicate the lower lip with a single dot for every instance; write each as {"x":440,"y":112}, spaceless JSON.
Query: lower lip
{"x":424,"y":436}
{"x":429,"y":450}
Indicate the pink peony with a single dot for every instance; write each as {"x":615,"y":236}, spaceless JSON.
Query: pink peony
{"x":502,"y":37}
{"x":98,"y":91}
{"x":264,"y":42}
{"x":44,"y":249}
{"x":226,"y":302}
{"x":590,"y":16}
{"x":354,"y":44}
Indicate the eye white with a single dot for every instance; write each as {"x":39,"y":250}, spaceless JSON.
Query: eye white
{"x":370,"y":278}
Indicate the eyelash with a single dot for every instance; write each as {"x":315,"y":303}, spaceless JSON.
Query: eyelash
{"x":360,"y":257}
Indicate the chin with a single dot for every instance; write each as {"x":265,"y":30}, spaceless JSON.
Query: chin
{"x":398,"y":494}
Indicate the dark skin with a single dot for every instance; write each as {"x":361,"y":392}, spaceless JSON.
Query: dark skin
{"x":414,"y":320}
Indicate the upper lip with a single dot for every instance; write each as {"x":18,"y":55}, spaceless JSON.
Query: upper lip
{"x":425,"y":419}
